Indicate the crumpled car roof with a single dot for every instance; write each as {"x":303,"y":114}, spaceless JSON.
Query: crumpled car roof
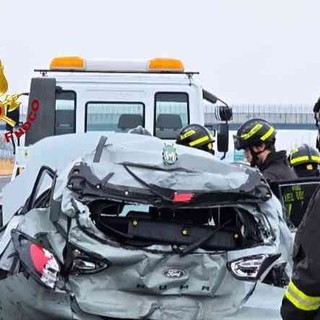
{"x":125,"y":162}
{"x":57,"y":152}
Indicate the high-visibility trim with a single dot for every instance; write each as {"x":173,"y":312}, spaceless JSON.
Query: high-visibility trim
{"x":305,"y":159}
{"x":299,"y":159}
{"x":289,"y":210}
{"x":315,"y":158}
{"x":253,"y":131}
{"x":198,"y":141}
{"x":267,"y":134}
{"x":187,"y":134}
{"x":301,"y":300}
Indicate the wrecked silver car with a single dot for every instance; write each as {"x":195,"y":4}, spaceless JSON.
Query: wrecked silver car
{"x":135,"y":229}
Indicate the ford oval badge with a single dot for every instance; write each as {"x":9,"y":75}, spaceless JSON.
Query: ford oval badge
{"x":174,"y":273}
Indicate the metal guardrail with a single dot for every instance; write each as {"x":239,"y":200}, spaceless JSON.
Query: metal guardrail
{"x":287,"y":116}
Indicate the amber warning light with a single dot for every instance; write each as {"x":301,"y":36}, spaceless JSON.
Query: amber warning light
{"x":78,"y":63}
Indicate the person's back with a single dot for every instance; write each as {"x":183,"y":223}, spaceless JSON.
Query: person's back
{"x":257,"y":137}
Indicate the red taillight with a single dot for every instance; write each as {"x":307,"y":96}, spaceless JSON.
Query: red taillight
{"x":39,"y":257}
{"x":182,"y":197}
{"x":45,"y":264}
{"x":38,"y":261}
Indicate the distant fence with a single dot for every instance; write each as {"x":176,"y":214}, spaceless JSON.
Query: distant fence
{"x":289,"y":116}
{"x":281,"y":116}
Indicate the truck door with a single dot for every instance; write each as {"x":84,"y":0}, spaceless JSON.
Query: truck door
{"x":41,"y":100}
{"x":52,"y":108}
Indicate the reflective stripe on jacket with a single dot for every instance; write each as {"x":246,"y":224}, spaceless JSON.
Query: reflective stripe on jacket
{"x":302,"y":297}
{"x":301,"y":300}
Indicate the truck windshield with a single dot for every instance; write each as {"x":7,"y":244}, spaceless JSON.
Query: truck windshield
{"x":171,"y":113}
{"x":114,"y":116}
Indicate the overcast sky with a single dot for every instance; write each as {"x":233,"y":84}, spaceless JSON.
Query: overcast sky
{"x":247,"y":51}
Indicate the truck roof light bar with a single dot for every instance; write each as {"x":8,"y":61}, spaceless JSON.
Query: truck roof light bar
{"x":77,"y":63}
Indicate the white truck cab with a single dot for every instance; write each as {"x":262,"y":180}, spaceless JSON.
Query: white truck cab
{"x":76,"y":95}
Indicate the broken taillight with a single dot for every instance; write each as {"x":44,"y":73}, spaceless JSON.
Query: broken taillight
{"x":37,"y":260}
{"x":182,"y":197}
{"x":45,"y":264}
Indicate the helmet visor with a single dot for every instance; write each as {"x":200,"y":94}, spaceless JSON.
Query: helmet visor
{"x":238,"y":143}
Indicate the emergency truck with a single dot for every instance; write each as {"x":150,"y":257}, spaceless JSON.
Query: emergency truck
{"x":76,"y":95}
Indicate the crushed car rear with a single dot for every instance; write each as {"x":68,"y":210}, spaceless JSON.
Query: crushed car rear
{"x":124,"y":233}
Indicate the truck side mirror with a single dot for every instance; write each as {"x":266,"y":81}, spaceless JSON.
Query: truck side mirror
{"x":223,"y":137}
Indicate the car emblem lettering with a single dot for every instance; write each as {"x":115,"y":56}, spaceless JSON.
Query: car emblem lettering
{"x":174,"y":273}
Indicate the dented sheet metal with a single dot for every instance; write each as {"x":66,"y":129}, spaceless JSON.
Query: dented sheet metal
{"x":138,"y":281}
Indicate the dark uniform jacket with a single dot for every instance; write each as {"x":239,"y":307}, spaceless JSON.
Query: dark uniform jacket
{"x":302,"y":297}
{"x":276,"y":167}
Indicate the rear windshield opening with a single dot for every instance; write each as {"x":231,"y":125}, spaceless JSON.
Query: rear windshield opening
{"x":224,"y":228}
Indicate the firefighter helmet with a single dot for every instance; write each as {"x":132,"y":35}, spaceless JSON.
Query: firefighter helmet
{"x":303,"y":155}
{"x":197,"y":136}
{"x":305,"y":161}
{"x":253,"y":133}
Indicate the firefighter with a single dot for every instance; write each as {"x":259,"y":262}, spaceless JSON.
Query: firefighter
{"x":305,"y":161}
{"x":196,"y":136}
{"x":302,"y":297}
{"x":257,"y":137}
